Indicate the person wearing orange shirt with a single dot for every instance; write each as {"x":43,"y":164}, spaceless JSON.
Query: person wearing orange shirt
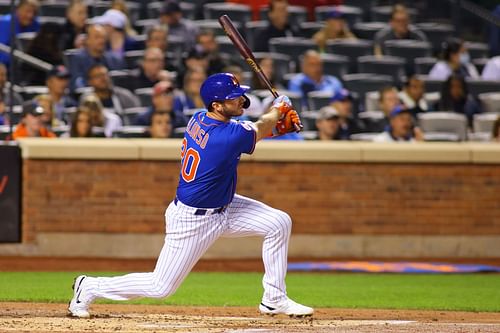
{"x":31,"y":124}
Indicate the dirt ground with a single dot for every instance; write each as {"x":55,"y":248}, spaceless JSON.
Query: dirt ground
{"x":45,"y":317}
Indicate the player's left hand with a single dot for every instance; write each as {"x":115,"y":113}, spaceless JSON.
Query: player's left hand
{"x":289,"y":123}
{"x":283,"y":104}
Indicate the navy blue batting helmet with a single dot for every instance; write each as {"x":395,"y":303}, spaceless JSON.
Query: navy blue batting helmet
{"x":222,"y":86}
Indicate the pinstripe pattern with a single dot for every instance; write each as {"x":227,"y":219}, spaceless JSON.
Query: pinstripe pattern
{"x":188,"y":238}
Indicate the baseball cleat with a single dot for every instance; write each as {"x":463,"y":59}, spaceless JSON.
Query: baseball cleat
{"x":78,"y":307}
{"x":287,"y":307}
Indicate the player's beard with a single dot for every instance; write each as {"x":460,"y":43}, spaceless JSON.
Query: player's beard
{"x":229,"y":112}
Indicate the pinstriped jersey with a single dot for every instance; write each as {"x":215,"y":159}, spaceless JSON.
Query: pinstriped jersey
{"x":210,"y":153}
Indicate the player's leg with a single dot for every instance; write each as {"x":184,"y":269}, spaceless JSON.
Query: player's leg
{"x":248,"y":217}
{"x":188,"y":237}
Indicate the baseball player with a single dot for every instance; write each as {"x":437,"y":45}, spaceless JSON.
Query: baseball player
{"x":206,"y":206}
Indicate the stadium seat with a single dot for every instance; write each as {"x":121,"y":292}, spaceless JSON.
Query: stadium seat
{"x":409,"y":50}
{"x":490,"y":102}
{"x":253,"y":30}
{"x":292,"y":46}
{"x":69,"y":114}
{"x":479,"y":86}
{"x":423,"y":65}
{"x":226,"y":46}
{"x":336,"y":65}
{"x":179,"y":132}
{"x":479,"y":136}
{"x":237,"y":12}
{"x":309,"y":120}
{"x":484,"y":122}
{"x":480,"y":63}
{"x":4,"y":7}
{"x":477,"y":50}
{"x":24,"y":39}
{"x":367,"y":137}
{"x":28,"y":92}
{"x":296,"y":14}
{"x":372,"y":101}
{"x":16,"y":115}
{"x":308,"y":29}
{"x":352,"y":49}
{"x":352,"y":14}
{"x":383,"y":13}
{"x":98,"y":132}
{"x":441,"y":137}
{"x":4,"y":130}
{"x":132,"y":58}
{"x":51,"y":19}
{"x":364,"y":82}
{"x":436,"y":33}
{"x":131,"y":132}
{"x":130,"y":114}
{"x":144,"y":95}
{"x":53,"y":8}
{"x":444,"y":122}
{"x":368,"y":30}
{"x":281,"y":63}
{"x":430,"y":84}
{"x":61,"y":130}
{"x":100,"y":7}
{"x":309,"y":135}
{"x":215,"y":26}
{"x":387,"y":65}
{"x":142,"y":26}
{"x":122,"y":78}
{"x":318,"y":99}
{"x":154,"y":9}
{"x":373,"y":121}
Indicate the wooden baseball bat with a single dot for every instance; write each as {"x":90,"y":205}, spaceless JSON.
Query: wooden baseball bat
{"x":245,"y":51}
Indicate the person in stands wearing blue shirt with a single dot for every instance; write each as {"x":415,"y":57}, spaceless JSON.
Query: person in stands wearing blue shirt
{"x":25,"y":21}
{"x":312,"y":78}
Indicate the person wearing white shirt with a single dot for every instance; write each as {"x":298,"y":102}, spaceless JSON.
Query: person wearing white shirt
{"x":456,"y":60}
{"x":492,"y":69}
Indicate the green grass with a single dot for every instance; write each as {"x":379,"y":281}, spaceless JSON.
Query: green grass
{"x":467,"y":292}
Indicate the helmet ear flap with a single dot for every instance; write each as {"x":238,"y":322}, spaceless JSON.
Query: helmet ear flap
{"x":246,"y":104}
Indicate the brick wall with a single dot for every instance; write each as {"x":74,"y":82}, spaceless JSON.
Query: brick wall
{"x":322,"y":198}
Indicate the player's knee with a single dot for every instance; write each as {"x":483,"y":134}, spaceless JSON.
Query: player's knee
{"x":285,"y":222}
{"x":163,"y":289}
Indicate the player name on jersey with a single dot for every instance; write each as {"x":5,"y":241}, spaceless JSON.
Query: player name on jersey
{"x":197,"y":133}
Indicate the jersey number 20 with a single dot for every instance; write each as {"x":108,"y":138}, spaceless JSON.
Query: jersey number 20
{"x":187,"y":156}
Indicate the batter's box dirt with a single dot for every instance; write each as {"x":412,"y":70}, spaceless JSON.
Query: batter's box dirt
{"x":39,"y":317}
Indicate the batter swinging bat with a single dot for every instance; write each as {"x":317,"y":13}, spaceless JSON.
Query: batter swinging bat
{"x":245,"y":51}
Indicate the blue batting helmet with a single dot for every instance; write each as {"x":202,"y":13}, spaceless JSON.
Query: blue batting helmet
{"x":222,"y":86}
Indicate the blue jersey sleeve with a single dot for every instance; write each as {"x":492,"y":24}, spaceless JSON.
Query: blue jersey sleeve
{"x":242,"y":136}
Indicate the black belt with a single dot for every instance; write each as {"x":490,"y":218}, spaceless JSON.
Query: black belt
{"x":202,"y":211}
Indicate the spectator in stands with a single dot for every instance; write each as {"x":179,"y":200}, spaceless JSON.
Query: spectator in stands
{"x":206,"y":39}
{"x":491,"y":70}
{"x":495,"y":132}
{"x":455,"y":97}
{"x":31,"y":123}
{"x":255,"y":108}
{"x":335,"y":28}
{"x":312,"y":77}
{"x":399,"y":28}
{"x":388,"y":99}
{"x":401,"y":128}
{"x":4,"y":88}
{"x":4,"y":118}
{"x":45,"y":46}
{"x":25,"y":21}
{"x":122,"y":6}
{"x":328,"y":124}
{"x":267,"y":66}
{"x":48,"y":118}
{"x":161,"y":125}
{"x":99,"y":116}
{"x":347,"y":125}
{"x":114,"y":21}
{"x":279,"y":25}
{"x":57,"y":82}
{"x":74,"y":27}
{"x":189,"y":97}
{"x":156,"y":36}
{"x":116,"y":99}
{"x":412,"y":96}
{"x":81,"y":124}
{"x":171,"y":16}
{"x":456,"y":60}
{"x":163,"y":101}
{"x":150,"y":71}
{"x":93,"y":53}
{"x":195,"y":59}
